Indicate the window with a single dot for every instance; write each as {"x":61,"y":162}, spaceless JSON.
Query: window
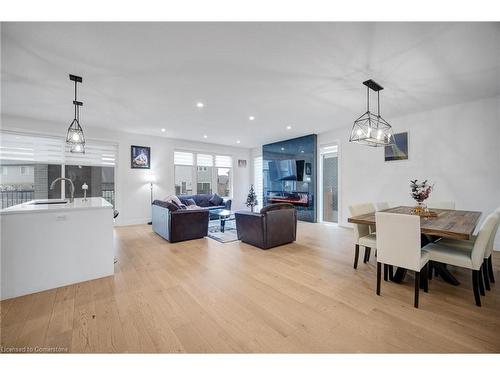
{"x":183,"y":172}
{"x":24,"y":170}
{"x":224,"y":166}
{"x":208,"y":173}
{"x":204,"y":173}
{"x":32,"y":162}
{"x":23,"y":183}
{"x":258,"y":179}
{"x":100,"y":181}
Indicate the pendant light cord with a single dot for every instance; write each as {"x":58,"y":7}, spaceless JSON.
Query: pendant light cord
{"x":367,"y":99}
{"x":378,"y":103}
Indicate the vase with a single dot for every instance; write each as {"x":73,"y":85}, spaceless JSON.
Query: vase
{"x":419,"y":209}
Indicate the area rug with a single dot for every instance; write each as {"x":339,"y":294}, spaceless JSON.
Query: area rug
{"x":229,"y":235}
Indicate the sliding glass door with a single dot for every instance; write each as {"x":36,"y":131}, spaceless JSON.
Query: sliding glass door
{"x":329,"y":161}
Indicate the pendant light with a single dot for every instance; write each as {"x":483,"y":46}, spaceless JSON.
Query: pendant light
{"x":75,"y":138}
{"x":370,"y":129}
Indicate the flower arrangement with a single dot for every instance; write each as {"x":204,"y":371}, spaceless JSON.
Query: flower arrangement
{"x":420,"y":191}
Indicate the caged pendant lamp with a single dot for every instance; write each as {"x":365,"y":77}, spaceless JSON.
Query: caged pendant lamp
{"x":75,"y":138}
{"x":370,"y":129}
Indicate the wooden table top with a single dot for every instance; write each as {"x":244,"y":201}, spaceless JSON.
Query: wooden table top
{"x":448,"y":223}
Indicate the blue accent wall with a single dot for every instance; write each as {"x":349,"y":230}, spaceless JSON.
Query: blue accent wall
{"x":290,"y":174}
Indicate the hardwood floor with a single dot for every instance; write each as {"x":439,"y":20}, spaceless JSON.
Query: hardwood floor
{"x":204,"y":296}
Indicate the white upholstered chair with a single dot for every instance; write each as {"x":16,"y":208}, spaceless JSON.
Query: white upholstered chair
{"x":398,"y":244}
{"x":382,"y":206}
{"x":465,"y":257}
{"x":362,"y":233}
{"x":443,"y":205}
{"x":487,"y":266}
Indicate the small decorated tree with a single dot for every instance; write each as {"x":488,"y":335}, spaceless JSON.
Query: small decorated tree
{"x":252,"y":198}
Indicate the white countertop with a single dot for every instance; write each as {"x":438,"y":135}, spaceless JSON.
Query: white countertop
{"x":78,"y":204}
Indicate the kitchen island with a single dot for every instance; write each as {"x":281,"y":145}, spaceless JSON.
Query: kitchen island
{"x":52,"y":243}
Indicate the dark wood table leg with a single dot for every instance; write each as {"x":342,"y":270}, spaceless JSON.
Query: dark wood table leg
{"x":222,"y":225}
{"x":399,"y":275}
{"x":443,"y":272}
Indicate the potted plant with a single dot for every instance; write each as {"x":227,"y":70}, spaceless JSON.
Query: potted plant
{"x":252,"y":199}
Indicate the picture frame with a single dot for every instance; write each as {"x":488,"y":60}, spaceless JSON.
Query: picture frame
{"x":242,"y":163}
{"x":140,"y":157}
{"x":399,"y":150}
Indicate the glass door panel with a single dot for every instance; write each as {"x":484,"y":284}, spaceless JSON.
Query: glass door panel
{"x":330,"y":187}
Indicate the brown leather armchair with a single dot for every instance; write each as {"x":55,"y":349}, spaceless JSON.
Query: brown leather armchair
{"x":179,"y":225}
{"x":274,"y":225}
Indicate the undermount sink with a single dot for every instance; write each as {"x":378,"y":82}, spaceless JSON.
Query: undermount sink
{"x":49,"y":201}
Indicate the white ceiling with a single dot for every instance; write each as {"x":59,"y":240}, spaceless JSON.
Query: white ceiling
{"x":141,"y":77}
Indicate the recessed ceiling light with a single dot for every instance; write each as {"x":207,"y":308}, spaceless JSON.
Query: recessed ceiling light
{"x":200,"y":105}
{"x":302,"y":151}
{"x":251,"y":118}
{"x":238,"y":141}
{"x":282,"y":149}
{"x":288,"y":127}
{"x":163,"y":130}
{"x":205,"y":136}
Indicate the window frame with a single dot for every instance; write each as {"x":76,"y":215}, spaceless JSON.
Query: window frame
{"x":214,"y":167}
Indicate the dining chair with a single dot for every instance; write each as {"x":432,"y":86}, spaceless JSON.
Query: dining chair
{"x":487,"y":266}
{"x":466,"y":258}
{"x":382,"y":206}
{"x":443,"y":205}
{"x":362,"y":232}
{"x":398,"y":244}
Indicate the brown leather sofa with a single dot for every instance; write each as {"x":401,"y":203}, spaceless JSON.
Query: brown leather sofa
{"x":176,"y":225}
{"x":274,"y":225}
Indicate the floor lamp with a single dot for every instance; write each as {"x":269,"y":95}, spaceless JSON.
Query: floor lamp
{"x":152,"y":180}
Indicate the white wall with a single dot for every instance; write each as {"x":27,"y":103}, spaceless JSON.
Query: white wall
{"x":457,"y":147}
{"x":132,"y":188}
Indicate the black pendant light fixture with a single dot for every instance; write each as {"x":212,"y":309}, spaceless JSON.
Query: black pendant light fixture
{"x":370,"y":129}
{"x":75,"y":138}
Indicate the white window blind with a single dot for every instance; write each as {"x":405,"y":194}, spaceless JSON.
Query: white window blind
{"x":258,"y":179}
{"x":183,"y":158}
{"x":96,"y":154}
{"x":223,"y":161}
{"x":18,"y":147}
{"x":52,"y":150}
{"x":328,"y":149}
{"x":204,"y":160}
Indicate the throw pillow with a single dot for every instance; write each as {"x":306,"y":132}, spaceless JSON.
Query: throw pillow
{"x":176,"y":200}
{"x":190,"y":202}
{"x":169,"y":205}
{"x":216,"y":200}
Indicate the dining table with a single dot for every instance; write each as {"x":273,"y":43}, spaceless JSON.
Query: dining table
{"x":444,"y":223}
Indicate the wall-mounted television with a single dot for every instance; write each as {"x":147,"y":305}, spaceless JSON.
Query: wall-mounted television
{"x":286,"y":170}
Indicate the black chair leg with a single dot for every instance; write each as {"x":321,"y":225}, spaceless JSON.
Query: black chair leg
{"x":367,"y":254}
{"x":417,"y":288}
{"x":356,"y":255}
{"x":429,"y":270}
{"x":475,"y":287}
{"x":490,"y":270}
{"x":386,"y":270}
{"x":485,"y":275}
{"x":379,"y":270}
{"x":426,"y":278}
{"x":480,"y":280}
{"x":391,"y":272}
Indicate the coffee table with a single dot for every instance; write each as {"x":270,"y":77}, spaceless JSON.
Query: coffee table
{"x":223,"y":215}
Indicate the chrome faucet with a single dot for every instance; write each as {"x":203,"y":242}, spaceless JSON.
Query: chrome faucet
{"x":72,"y":199}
